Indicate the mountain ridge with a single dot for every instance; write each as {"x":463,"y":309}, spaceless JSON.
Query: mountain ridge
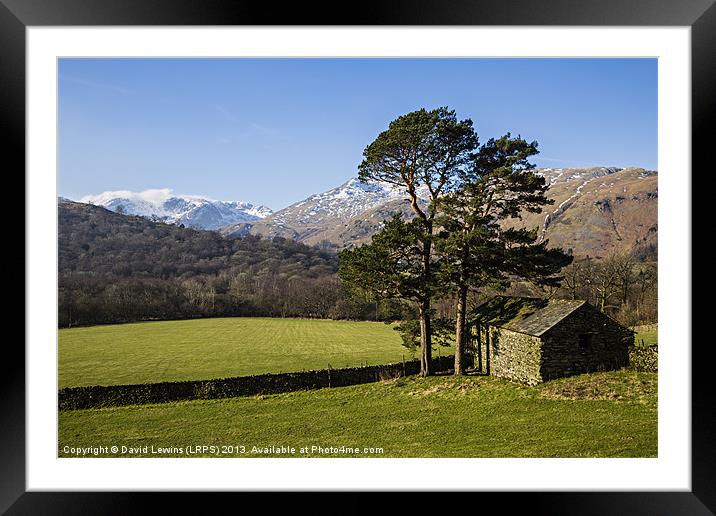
{"x":190,"y":210}
{"x":596,"y":211}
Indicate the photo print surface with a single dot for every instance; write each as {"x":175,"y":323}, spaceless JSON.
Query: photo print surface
{"x":377,"y":257}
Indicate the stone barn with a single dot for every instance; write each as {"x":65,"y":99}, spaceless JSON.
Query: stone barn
{"x":534,"y":340}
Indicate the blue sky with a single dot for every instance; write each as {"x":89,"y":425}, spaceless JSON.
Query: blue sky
{"x":274,"y":131}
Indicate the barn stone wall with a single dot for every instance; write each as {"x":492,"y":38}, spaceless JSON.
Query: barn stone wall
{"x":509,"y":354}
{"x":608,"y":348}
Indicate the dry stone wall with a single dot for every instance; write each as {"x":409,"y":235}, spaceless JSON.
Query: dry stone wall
{"x":644,"y":358}
{"x":515,"y":356}
{"x":98,"y":396}
{"x":509,"y":354}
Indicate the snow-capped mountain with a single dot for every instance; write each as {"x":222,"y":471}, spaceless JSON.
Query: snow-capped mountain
{"x":339,"y":204}
{"x":309,"y":219}
{"x":596,"y":211}
{"x":190,"y":210}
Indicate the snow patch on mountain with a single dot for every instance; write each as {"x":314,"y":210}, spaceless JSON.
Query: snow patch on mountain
{"x":342,"y":203}
{"x":191,"y":210}
{"x":564,"y":175}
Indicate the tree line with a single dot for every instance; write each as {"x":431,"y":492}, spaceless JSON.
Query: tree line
{"x":619,"y":284}
{"x":115,"y":268}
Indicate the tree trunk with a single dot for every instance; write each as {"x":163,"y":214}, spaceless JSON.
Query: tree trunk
{"x":479,"y":348}
{"x":625,"y":292}
{"x":460,"y":330}
{"x":425,"y":340}
{"x":488,"y":355}
{"x":426,"y":368}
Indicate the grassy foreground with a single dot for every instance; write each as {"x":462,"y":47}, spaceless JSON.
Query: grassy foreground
{"x":646,"y":335}
{"x":217,"y":348}
{"x":612,"y":414}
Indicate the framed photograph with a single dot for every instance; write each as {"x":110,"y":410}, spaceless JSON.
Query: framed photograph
{"x":415,"y":250}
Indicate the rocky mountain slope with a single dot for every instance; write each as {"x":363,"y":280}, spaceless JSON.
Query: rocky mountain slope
{"x":596,"y":211}
{"x":600,"y":210}
{"x":321,"y":215}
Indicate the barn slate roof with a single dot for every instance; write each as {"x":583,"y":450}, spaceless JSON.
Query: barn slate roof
{"x":530,"y":315}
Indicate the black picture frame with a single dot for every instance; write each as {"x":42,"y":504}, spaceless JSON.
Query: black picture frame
{"x":16,"y":15}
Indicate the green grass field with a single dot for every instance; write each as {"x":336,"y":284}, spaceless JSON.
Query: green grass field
{"x":218,"y":348}
{"x":647,"y":334}
{"x":611,"y":414}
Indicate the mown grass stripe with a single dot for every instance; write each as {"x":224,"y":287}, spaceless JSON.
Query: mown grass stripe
{"x":161,"y":351}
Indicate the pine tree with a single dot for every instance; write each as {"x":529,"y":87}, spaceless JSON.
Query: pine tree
{"x":390,"y":266}
{"x":475,"y":249}
{"x":423,"y":153}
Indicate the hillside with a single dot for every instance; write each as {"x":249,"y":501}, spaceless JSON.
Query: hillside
{"x":322,"y":216}
{"x":119,"y":268}
{"x":92,"y":239}
{"x":600,"y":210}
{"x":597,"y":211}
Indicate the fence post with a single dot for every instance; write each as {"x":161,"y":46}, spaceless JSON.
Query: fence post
{"x":404,"y":364}
{"x":329,"y":375}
